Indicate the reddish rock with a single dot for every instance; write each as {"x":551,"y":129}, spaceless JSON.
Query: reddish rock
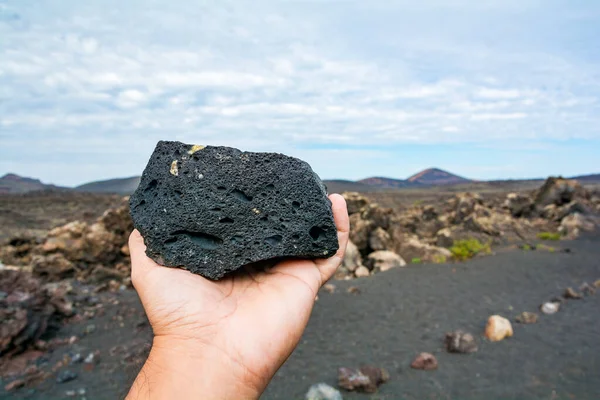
{"x":425,"y":361}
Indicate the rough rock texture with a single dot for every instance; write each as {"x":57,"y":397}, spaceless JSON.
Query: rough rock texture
{"x":366,"y":379}
{"x":352,"y":259}
{"x":460,"y":342}
{"x":527,"y":317}
{"x":425,"y":361}
{"x":214,"y":209}
{"x":570,"y":293}
{"x":384,"y":260}
{"x":28,"y":309}
{"x":519,"y":205}
{"x":498,"y":328}
{"x":559,"y":191}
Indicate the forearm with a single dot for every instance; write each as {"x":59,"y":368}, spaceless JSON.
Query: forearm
{"x":177,"y":370}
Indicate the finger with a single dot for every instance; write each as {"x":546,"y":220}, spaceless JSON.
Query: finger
{"x":328,"y":266}
{"x":140,"y":263}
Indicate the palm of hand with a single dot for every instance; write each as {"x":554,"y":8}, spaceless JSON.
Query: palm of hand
{"x":254,"y":319}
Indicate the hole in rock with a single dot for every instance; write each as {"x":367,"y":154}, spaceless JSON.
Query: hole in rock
{"x":295,"y":236}
{"x":153,"y":184}
{"x":201,"y":239}
{"x":316,"y":232}
{"x":171,"y":240}
{"x":264,"y":219}
{"x":236,"y":239}
{"x":295,"y":204}
{"x":141,"y":203}
{"x":270,"y":186}
{"x":274,"y":240}
{"x":178,"y":192}
{"x":215,"y":209}
{"x":226,"y":220}
{"x":221,"y":188}
{"x":238,"y":194}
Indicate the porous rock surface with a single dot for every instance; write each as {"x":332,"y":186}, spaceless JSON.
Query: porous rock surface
{"x":212,"y":209}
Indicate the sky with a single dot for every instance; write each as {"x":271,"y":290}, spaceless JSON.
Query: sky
{"x":485,"y":89}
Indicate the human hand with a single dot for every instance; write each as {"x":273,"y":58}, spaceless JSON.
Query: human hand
{"x":225,"y":339}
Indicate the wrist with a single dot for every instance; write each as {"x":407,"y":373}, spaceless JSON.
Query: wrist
{"x":184,"y":368}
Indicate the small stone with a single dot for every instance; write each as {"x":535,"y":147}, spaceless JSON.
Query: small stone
{"x":572,"y":294}
{"x":460,"y":342}
{"x":3,"y":295}
{"x":587,"y":289}
{"x":353,"y":290}
{"x":366,"y":379}
{"x":76,"y":358}
{"x":66,"y":376}
{"x":248,"y":207}
{"x":73,"y":339}
{"x":322,"y":391}
{"x":70,"y":393}
{"x":362,"y":272}
{"x":90,"y":359}
{"x":526,"y":317}
{"x":550,"y":308}
{"x":425,"y":361}
{"x":498,"y":328}
{"x":329,"y":287}
{"x":89,"y":329}
{"x":597,"y":284}
{"x":81,"y":391}
{"x":16,"y":384}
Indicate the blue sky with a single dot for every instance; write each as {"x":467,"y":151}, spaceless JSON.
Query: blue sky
{"x":485,"y":89}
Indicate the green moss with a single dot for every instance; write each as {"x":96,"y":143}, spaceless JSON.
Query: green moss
{"x":547,"y":248}
{"x":526,"y":247}
{"x":416,"y":260}
{"x":548,"y":236}
{"x":439,"y":259}
{"x":468,"y":248}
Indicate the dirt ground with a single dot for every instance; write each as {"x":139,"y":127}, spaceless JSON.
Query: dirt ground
{"x":37,"y":212}
{"x":396,"y":315}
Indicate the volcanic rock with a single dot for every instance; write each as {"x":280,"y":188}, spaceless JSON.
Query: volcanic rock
{"x":527,"y":317}
{"x":573,"y":225}
{"x":460,"y":342}
{"x":379,"y":239}
{"x":425,"y":361}
{"x":384,"y":260}
{"x":355,"y":202}
{"x":322,"y":391}
{"x":366,"y":379}
{"x":498,"y":328}
{"x":570,"y":293}
{"x":352,"y":259}
{"x":212,"y":210}
{"x":550,"y":308}
{"x":519,"y":205}
{"x":559,"y":191}
{"x":361,"y":272}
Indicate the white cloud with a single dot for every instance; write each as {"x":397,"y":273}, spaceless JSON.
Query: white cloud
{"x":280,"y":75}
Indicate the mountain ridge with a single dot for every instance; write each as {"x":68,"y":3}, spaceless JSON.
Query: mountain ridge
{"x":14,"y":184}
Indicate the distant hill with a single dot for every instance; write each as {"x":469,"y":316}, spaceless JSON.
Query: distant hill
{"x":13,"y":183}
{"x":436,"y":176}
{"x":388,"y":183}
{"x":428,"y":177}
{"x":592,"y":178}
{"x":119,"y":186}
